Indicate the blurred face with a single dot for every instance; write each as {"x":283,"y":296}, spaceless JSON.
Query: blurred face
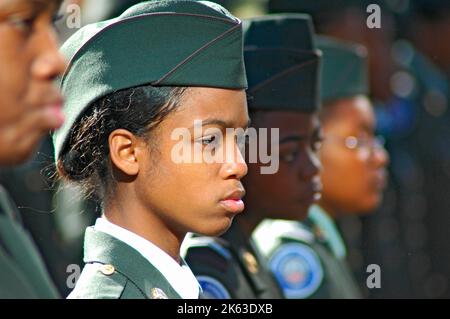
{"x":288,"y":193}
{"x":30,"y":105}
{"x":197,"y":197}
{"x":353,"y":163}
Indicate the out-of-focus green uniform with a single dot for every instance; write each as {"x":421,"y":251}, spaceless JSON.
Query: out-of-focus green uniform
{"x":22,"y":272}
{"x":308,"y":258}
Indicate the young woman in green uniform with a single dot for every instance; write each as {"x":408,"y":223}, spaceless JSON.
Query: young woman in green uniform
{"x":132,"y":83}
{"x":309,"y":258}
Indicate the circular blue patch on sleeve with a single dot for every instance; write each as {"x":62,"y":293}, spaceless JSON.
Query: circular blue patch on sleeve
{"x":297,"y":269}
{"x":212,"y":288}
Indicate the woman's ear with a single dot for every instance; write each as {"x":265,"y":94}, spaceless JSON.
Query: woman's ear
{"x":123,"y":149}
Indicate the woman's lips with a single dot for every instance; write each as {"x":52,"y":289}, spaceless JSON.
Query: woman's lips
{"x":312,"y":193}
{"x":380,"y":180}
{"x":233,"y":205}
{"x":233,"y":201}
{"x":54,"y":113}
{"x":309,"y":197}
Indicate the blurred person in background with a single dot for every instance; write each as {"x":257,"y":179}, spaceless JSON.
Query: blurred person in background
{"x":411,"y":104}
{"x":282,"y":66}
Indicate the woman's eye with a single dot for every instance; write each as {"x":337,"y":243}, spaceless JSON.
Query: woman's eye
{"x":317,"y":140}
{"x":209,"y":140}
{"x":57,"y":17}
{"x":290,"y":157}
{"x":242,"y":140}
{"x":317,"y":144}
{"x":24,"y":24}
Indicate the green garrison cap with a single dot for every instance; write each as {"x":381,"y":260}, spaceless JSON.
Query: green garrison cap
{"x":344,"y":69}
{"x":159,"y":43}
{"x":282,"y":63}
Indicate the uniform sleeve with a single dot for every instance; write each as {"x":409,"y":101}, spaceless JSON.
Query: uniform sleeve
{"x":297,"y":269}
{"x":19,"y":248}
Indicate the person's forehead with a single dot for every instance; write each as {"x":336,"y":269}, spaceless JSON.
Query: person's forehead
{"x":288,"y":123}
{"x":352,"y":112}
{"x":219,"y":107}
{"x":4,"y":4}
{"x":286,"y":118}
{"x":358,"y":105}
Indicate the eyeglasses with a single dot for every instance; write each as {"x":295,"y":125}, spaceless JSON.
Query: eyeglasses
{"x":373,"y":142}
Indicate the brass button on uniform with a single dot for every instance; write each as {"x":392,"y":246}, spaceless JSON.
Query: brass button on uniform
{"x":157,"y":293}
{"x":107,"y":269}
{"x":250,"y":262}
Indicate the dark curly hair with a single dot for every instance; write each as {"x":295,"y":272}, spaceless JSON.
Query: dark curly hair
{"x":85,"y":158}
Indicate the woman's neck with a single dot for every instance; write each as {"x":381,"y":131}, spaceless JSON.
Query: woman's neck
{"x":329,"y":210}
{"x":247,"y":223}
{"x":145,"y":224}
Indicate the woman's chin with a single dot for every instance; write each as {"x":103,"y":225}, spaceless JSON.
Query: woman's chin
{"x":215,"y":228}
{"x":366,"y":208}
{"x":298,"y":214}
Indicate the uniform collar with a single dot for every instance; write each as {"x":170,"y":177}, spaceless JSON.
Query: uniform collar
{"x":103,"y":248}
{"x":179,"y":276}
{"x":249,"y":256}
{"x":319,"y":218}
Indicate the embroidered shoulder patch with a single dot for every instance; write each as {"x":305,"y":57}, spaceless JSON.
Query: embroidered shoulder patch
{"x":212,"y":288}
{"x":297,"y":269}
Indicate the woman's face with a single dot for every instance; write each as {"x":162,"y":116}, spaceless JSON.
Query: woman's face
{"x":288,"y":193}
{"x":196,"y":195}
{"x":353,"y":163}
{"x":30,"y":104}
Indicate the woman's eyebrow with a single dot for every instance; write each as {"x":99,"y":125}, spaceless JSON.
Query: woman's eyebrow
{"x":8,"y":7}
{"x":366,"y":127}
{"x":42,"y":5}
{"x":222,"y":123}
{"x":293,"y":138}
{"x":36,"y":5}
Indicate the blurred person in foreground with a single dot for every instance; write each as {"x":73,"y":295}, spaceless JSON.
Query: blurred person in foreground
{"x":30,"y":107}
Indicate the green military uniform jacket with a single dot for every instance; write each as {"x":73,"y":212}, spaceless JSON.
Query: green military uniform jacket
{"x":230,"y":266}
{"x":308,"y":258}
{"x":22,"y":271}
{"x":114,"y":270}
